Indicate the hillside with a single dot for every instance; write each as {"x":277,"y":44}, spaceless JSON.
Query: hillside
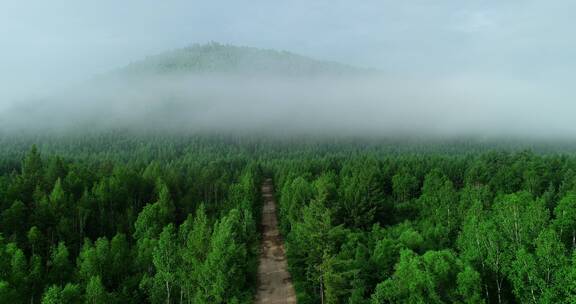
{"x":211,"y":87}
{"x":220,"y":58}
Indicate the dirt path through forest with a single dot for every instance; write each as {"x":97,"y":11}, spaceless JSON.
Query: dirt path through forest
{"x":274,"y":281}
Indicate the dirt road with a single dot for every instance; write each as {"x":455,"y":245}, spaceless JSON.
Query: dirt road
{"x":274,"y":281}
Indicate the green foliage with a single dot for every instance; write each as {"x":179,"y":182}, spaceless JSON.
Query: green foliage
{"x":69,"y":294}
{"x":59,"y":266}
{"x":477,"y":231}
{"x":219,"y":275}
{"x":95,"y":292}
{"x":132,"y":218}
{"x":405,"y":186}
{"x":166,"y":260}
{"x":565,"y":219}
{"x":94,"y":229}
{"x":435,"y":277}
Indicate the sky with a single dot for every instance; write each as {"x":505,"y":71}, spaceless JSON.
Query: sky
{"x":493,"y":52}
{"x":56,"y":43}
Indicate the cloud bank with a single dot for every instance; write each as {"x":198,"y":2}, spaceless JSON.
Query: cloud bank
{"x":343,"y":105}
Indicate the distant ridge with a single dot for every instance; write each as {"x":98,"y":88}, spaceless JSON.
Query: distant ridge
{"x":204,"y":87}
{"x":224,"y":58}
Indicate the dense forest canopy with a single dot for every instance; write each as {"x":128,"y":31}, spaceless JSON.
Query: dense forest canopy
{"x":127,"y":218}
{"x":157,"y":224}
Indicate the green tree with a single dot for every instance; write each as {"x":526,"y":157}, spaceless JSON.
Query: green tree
{"x":565,"y":219}
{"x":435,"y":277}
{"x":35,"y":278}
{"x":439,"y":211}
{"x":32,"y":174}
{"x":95,"y":292}
{"x":120,"y":259}
{"x":166,"y":260}
{"x":469,"y":286}
{"x":220,"y":276}
{"x":197,"y":245}
{"x":404,"y":186}
{"x":295,"y":195}
{"x":520,"y":218}
{"x":482,"y":245}
{"x":56,"y":295}
{"x":53,"y":295}
{"x":7,"y":293}
{"x":539,"y":277}
{"x":59,"y":266}
{"x":18,"y":268}
{"x":311,"y":242}
{"x":34,"y":237}
{"x":361,"y":193}
{"x":93,"y":260}
{"x":12,"y":219}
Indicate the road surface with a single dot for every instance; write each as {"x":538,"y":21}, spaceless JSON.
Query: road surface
{"x":274,"y":281}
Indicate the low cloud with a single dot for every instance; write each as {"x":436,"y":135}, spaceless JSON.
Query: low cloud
{"x":360,"y":105}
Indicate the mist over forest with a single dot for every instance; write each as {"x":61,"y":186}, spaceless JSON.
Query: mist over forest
{"x":223,"y":88}
{"x":327,"y":151}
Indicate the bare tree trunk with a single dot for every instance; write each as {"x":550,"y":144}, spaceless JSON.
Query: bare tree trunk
{"x":499,"y":287}
{"x":167,"y":292}
{"x":573,"y":238}
{"x":321,"y":291}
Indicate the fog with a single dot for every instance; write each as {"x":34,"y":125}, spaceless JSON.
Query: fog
{"x":339,"y":105}
{"x":445,"y":68}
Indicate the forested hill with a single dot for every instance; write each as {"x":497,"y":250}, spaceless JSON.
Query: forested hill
{"x":211,"y":87}
{"x":220,"y":58}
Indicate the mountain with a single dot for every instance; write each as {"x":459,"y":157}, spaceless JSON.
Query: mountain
{"x":220,"y":58}
{"x":210,"y":87}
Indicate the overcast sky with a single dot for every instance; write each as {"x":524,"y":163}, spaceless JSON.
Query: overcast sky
{"x":51,"y":44}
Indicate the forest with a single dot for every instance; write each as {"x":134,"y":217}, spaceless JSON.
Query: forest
{"x":287,"y":152}
{"x":172,"y":221}
{"x":132,"y":218}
